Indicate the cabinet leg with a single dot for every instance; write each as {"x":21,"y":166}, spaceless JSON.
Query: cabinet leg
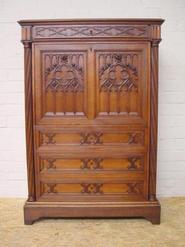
{"x":154,"y":220}
{"x":28,"y":221}
{"x":30,"y":215}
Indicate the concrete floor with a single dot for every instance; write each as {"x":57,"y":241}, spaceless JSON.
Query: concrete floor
{"x":93,"y":232}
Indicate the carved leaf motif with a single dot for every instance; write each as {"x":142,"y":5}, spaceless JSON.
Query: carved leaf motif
{"x":64,"y":72}
{"x":116,"y":75}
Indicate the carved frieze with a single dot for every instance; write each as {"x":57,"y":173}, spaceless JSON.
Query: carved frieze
{"x":90,"y":31}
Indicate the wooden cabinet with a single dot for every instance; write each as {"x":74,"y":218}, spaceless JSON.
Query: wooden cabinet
{"x":91,"y":117}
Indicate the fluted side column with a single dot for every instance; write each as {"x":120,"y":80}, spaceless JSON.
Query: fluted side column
{"x":153,"y":119}
{"x":29,"y":119}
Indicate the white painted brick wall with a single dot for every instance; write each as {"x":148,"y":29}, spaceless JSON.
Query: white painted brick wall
{"x":171,"y":148}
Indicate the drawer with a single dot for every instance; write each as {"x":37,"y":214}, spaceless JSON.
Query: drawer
{"x":127,"y":163}
{"x":121,"y":191}
{"x":91,"y":136}
{"x":63,"y":178}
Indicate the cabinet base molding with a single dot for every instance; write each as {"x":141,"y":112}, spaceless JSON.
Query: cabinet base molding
{"x":37,"y":210}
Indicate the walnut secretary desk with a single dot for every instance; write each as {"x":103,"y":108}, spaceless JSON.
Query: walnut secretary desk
{"x":91,"y":89}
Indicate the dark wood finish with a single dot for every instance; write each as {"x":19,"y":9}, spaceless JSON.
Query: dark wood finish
{"x":91,"y":117}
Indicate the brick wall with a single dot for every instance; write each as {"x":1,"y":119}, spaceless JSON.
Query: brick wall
{"x":171,"y":148}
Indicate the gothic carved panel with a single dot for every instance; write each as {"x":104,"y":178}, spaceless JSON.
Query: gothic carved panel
{"x":115,"y":74}
{"x":64,"y":78}
{"x":64,"y":72}
{"x":90,"y":31}
{"x":118,"y":82}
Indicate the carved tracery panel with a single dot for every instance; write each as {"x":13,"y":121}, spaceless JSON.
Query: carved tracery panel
{"x":64,"y":76}
{"x":118,"y":82}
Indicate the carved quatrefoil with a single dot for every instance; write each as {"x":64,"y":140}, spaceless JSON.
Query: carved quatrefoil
{"x":91,"y":164}
{"x":91,"y":138}
{"x":91,"y":188}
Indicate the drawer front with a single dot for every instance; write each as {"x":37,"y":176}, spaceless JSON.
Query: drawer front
{"x":128,"y":163}
{"x":98,"y":163}
{"x":96,"y":179}
{"x":91,"y":136}
{"x":121,"y":191}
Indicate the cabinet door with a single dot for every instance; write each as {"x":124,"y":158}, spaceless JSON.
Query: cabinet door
{"x":61,"y":82}
{"x":91,"y":83}
{"x":122,"y":82}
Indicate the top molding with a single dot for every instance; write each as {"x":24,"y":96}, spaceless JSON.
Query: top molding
{"x":145,"y":29}
{"x":147,"y":21}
